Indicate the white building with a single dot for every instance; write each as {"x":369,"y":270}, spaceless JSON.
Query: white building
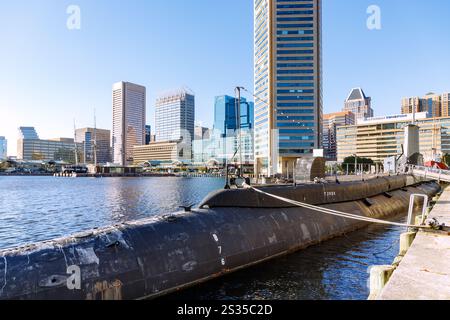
{"x":175,"y":116}
{"x":129,"y":102}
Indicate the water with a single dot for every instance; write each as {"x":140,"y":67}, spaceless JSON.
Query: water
{"x":335,"y":270}
{"x":42,"y":208}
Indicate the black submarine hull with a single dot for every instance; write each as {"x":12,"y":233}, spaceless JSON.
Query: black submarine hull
{"x":160,"y":255}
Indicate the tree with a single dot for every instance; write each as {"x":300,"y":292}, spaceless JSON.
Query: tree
{"x":446,"y":159}
{"x":4,"y":165}
{"x":350,"y":161}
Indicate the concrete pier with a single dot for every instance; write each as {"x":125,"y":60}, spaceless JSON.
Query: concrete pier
{"x":424,"y":271}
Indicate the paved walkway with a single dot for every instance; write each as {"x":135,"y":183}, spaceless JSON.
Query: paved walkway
{"x":424,"y":273}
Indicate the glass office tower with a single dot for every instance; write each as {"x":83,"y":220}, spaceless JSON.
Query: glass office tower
{"x":226,"y":125}
{"x":225,"y":119}
{"x":148,"y":134}
{"x":175,"y":115}
{"x":288,"y":83}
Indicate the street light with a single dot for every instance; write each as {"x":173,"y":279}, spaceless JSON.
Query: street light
{"x":238,"y":125}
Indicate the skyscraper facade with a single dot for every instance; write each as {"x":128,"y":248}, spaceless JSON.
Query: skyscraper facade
{"x":28,"y":133}
{"x":96,"y":145}
{"x":435,"y":105}
{"x":148,"y":134}
{"x":202,"y":133}
{"x":287,"y":82}
{"x":411,"y":105}
{"x":129,"y":102}
{"x":446,"y":104}
{"x":431,"y":103}
{"x":3,"y":148}
{"x":233,"y":129}
{"x":330,"y":124}
{"x":175,"y":116}
{"x":359,"y":104}
{"x":225,"y":115}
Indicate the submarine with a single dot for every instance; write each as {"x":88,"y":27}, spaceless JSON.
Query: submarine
{"x":229,"y":231}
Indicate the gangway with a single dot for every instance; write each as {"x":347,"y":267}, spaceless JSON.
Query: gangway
{"x":430,"y":173}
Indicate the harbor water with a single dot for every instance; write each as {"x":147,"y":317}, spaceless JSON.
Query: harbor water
{"x":42,"y":208}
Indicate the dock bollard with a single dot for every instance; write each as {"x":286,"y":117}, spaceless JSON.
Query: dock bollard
{"x":379,"y":277}
{"x":406,"y":241}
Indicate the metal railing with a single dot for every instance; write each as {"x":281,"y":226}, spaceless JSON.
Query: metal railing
{"x":411,"y":217}
{"x":430,"y":173}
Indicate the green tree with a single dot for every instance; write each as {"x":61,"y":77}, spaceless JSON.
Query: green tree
{"x":350,"y":161}
{"x":446,"y":159}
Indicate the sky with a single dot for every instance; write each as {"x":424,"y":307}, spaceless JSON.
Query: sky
{"x":51,"y":75}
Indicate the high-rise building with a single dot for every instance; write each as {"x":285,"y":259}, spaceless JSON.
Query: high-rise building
{"x":287,"y":82}
{"x":432,"y":104}
{"x":228,"y":118}
{"x":148,"y":134}
{"x":446,"y":104}
{"x":30,"y":147}
{"x":225,"y":119}
{"x":359,"y":104}
{"x":201,"y":133}
{"x":3,"y":148}
{"x":411,"y":105}
{"x":175,"y":116}
{"x":435,"y":105}
{"x":129,"y":102}
{"x":330,"y":124}
{"x":28,"y":133}
{"x":95,"y":142}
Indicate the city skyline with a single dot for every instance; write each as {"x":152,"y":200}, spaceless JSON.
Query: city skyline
{"x":61,"y":52}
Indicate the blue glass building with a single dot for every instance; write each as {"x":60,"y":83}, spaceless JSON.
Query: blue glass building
{"x":148,"y":134}
{"x":226,"y":125}
{"x":288,"y":83}
{"x":225,"y":120}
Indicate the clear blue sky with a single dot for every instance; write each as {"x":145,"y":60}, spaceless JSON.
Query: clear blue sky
{"x":50,"y":75}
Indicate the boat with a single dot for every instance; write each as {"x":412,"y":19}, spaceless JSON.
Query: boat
{"x":231,"y":230}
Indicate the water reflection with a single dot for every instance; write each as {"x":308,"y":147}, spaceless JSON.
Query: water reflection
{"x":42,"y":208}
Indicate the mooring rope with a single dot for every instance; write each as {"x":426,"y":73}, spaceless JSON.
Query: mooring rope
{"x":339,"y":213}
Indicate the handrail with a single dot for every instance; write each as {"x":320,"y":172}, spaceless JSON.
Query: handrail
{"x":411,"y":218}
{"x":430,"y":173}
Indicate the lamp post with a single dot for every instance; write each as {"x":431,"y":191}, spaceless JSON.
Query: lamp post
{"x":238,"y":126}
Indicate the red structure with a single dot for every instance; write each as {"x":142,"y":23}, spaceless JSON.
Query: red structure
{"x":436,"y":165}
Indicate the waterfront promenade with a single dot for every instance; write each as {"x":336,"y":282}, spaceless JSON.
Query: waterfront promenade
{"x":424,"y":272}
